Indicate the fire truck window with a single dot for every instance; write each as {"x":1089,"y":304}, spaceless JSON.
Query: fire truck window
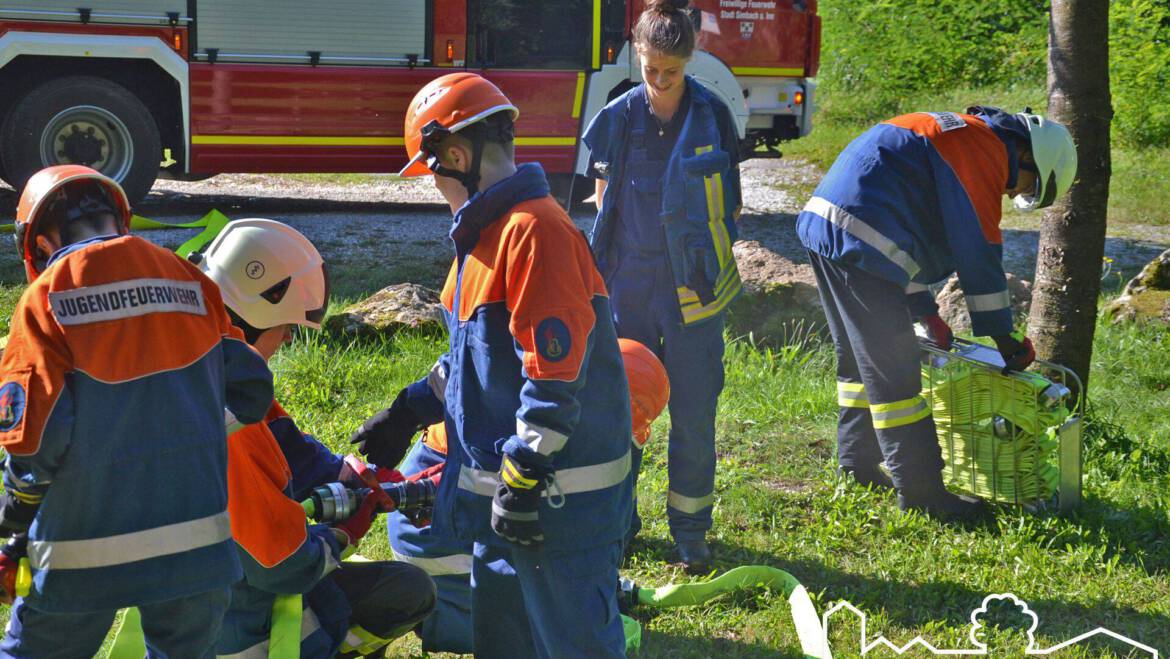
{"x":530,"y":35}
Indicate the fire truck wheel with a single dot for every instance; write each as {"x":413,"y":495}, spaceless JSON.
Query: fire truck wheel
{"x":83,"y":120}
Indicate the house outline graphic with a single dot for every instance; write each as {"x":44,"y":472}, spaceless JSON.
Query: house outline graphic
{"x":866,"y":645}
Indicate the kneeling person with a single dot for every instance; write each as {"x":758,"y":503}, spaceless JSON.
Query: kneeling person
{"x":273,"y":278}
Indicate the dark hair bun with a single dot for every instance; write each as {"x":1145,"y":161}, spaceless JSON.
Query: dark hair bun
{"x":667,"y":5}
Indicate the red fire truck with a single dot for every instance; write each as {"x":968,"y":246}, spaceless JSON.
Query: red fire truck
{"x":190,"y":88}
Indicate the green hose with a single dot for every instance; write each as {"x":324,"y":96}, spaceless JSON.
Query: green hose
{"x":1015,"y":462}
{"x":804,"y":614}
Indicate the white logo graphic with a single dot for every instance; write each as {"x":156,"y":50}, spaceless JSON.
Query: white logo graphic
{"x":865,"y":645}
{"x":746,"y":28}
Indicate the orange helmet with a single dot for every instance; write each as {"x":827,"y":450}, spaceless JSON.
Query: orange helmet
{"x":649,"y":387}
{"x":67,"y":192}
{"x":447,"y":105}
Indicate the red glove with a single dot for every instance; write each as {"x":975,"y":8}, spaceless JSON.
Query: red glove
{"x":359,"y":471}
{"x":937,"y":331}
{"x":1016,"y":350}
{"x":358,"y":525}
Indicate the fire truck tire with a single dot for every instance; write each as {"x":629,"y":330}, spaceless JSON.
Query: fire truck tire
{"x":85,"y":120}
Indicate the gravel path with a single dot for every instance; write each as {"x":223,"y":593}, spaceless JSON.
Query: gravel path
{"x":384,"y":218}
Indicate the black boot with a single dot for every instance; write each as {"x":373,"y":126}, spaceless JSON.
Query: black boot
{"x":695,"y":555}
{"x":942,"y":504}
{"x":873,"y":476}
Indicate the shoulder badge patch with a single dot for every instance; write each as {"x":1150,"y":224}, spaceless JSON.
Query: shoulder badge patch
{"x":553,"y":340}
{"x":948,"y":120}
{"x":12,"y":402}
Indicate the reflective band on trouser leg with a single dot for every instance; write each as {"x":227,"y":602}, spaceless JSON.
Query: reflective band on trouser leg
{"x":899,"y":413}
{"x":690,"y":505}
{"x":360,"y":641}
{"x":129,"y":547}
{"x":851,"y":394}
{"x":438,"y":566}
{"x":570,"y":481}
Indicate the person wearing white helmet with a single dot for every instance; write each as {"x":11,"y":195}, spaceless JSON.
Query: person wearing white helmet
{"x":272,"y":279}
{"x":911,"y":201}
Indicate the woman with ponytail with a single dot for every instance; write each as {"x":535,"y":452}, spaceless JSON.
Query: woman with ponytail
{"x":666,"y":161}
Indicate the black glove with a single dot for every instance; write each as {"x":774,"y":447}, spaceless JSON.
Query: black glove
{"x":386,"y":437}
{"x":1016,"y":350}
{"x":516,"y":506}
{"x":15,"y":515}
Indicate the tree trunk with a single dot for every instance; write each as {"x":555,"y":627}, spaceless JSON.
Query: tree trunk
{"x":1072,"y":233}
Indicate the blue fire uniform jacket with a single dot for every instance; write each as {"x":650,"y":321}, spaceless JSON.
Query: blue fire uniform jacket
{"x":533,"y":371}
{"x":918,"y":197}
{"x":120,"y":364}
{"x":700,"y":198}
{"x":271,"y":467}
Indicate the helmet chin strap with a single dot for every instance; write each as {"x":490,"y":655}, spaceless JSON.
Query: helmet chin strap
{"x":470,"y":178}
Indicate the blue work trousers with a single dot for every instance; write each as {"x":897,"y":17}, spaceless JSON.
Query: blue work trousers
{"x":646,"y":309}
{"x":878,"y":369}
{"x":542,"y":603}
{"x":186,"y":627}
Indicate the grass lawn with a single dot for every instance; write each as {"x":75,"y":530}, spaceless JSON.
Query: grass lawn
{"x":779,"y":503}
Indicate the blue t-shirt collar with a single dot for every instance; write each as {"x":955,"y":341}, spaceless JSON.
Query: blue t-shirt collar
{"x":81,"y":244}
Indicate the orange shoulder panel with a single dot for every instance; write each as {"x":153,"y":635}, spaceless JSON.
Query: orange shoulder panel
{"x":978,"y":158}
{"x":32,"y":370}
{"x":551,"y":281}
{"x":265,"y":522}
{"x":447,"y":297}
{"x":482,"y":281}
{"x":114,"y":279}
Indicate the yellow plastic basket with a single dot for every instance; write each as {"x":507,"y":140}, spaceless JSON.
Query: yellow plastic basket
{"x":1012,"y":439}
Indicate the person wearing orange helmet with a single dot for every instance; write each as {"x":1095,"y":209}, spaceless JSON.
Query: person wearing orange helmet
{"x":448,"y":628}
{"x":119,"y":368}
{"x":531,"y":390}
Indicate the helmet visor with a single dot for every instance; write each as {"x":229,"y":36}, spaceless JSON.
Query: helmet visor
{"x":315,"y":316}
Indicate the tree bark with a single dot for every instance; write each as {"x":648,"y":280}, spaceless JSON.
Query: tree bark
{"x":1072,"y":233}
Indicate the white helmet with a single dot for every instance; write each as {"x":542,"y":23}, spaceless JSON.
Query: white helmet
{"x":1056,"y":161}
{"x":268,"y":273}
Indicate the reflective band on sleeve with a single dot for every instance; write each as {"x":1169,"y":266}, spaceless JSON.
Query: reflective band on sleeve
{"x":542,"y":440}
{"x":437,"y":381}
{"x":129,"y":547}
{"x":689,"y":504}
{"x":989,"y":301}
{"x":438,"y":566}
{"x":899,"y":413}
{"x":512,"y":514}
{"x":852,"y":394}
{"x":863,"y":232}
{"x":570,"y":481}
{"x":914,"y":287}
{"x":361,"y":642}
{"x":330,"y":563}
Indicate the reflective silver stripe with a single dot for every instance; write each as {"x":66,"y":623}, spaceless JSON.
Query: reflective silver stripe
{"x":512,"y":514}
{"x":863,"y":232}
{"x":437,"y":381}
{"x":689,"y":504}
{"x":129,"y":547}
{"x":570,"y":481}
{"x":330,"y":564}
{"x":899,"y":413}
{"x":542,"y":440}
{"x":438,"y":566}
{"x":914,"y":287}
{"x":989,"y":301}
{"x":309,"y":625}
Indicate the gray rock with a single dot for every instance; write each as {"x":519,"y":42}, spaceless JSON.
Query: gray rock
{"x":952,"y":306}
{"x":779,"y":299}
{"x":1147,"y":296}
{"x":389,"y":311}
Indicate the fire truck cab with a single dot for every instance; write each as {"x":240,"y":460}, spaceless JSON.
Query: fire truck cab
{"x":191,"y":88}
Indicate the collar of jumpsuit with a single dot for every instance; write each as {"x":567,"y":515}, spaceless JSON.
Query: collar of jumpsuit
{"x":489,"y":205}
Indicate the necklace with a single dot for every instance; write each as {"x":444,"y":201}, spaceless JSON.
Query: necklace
{"x":661,"y":124}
